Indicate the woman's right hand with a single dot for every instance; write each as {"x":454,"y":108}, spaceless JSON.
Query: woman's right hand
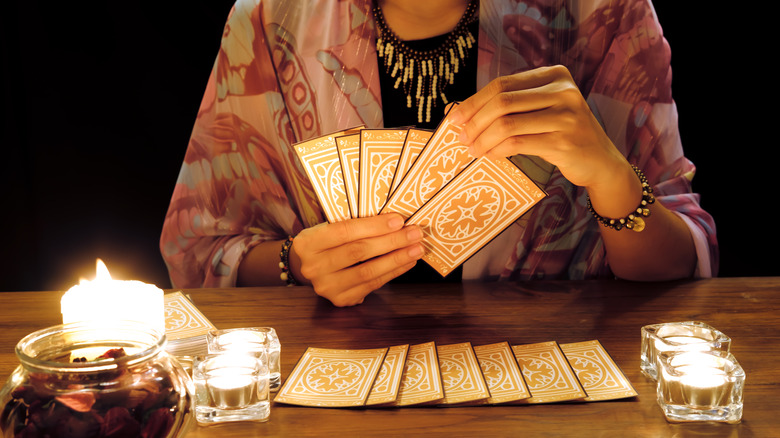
{"x":347,"y":260}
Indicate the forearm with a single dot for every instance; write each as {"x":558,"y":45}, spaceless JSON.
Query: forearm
{"x":260,"y":265}
{"x":663,"y":250}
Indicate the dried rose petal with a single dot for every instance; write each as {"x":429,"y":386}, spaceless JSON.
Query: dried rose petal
{"x":114,"y":353}
{"x":118,"y":423}
{"x":52,"y":416}
{"x":78,"y":401}
{"x":159,"y":424}
{"x":30,"y":431}
{"x":78,"y":426}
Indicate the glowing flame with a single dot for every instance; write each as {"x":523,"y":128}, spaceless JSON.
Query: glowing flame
{"x":107,"y":299}
{"x":101,"y":272}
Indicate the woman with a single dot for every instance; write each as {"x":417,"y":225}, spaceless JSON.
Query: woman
{"x":576,"y":92}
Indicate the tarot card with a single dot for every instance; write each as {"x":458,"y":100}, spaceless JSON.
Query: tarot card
{"x":385,"y":388}
{"x":332,"y":378}
{"x":461,"y":375}
{"x":185,"y":326}
{"x":476,"y":206}
{"x":415,"y":141}
{"x":548,"y":374}
{"x":348,"y":147}
{"x":440,"y":160}
{"x":421,"y":381}
{"x":183,"y":319}
{"x":597,"y":372}
{"x":320,"y":159}
{"x":380,"y":150}
{"x":502,"y":373}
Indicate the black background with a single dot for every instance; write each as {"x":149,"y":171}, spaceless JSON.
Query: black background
{"x":99,"y":98}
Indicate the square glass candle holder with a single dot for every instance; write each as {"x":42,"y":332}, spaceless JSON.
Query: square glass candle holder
{"x":700,"y":386}
{"x":678,"y":336}
{"x":231,"y":386}
{"x":251,"y":339}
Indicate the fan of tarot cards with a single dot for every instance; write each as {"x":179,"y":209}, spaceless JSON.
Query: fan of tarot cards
{"x":460,"y":202}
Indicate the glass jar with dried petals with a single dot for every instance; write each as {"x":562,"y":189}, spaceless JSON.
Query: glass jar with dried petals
{"x":90,"y":380}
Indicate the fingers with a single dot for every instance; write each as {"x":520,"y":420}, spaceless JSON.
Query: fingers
{"x":504,"y":84}
{"x":347,"y":260}
{"x":352,"y":285}
{"x":522,"y":104}
{"x":356,"y":251}
{"x":520,"y":133}
{"x":326,"y":236}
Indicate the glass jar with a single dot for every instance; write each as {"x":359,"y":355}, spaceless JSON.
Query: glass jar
{"x":91,"y":380}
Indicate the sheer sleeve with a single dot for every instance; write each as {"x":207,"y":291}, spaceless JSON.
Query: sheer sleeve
{"x":240,"y":183}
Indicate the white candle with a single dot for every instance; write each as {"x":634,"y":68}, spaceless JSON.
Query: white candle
{"x":698,"y":380}
{"x":232,"y":391}
{"x":261,"y":341}
{"x":678,"y":336}
{"x":105,"y":300}
{"x":230,"y":381}
{"x":704,"y":386}
{"x":238,"y":339}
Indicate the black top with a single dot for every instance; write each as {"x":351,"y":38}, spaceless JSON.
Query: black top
{"x":396,"y":114}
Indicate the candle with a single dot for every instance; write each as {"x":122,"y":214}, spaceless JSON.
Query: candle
{"x":105,"y":300}
{"x":231,"y":386}
{"x":229,"y":391}
{"x":678,"y":336}
{"x":262,"y":340}
{"x":240,"y":339}
{"x":700,"y":386}
{"x":703,"y":386}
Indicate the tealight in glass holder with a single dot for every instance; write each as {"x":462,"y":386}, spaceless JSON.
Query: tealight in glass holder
{"x":700,"y":386}
{"x":678,"y":336}
{"x":231,"y":386}
{"x":252,"y":339}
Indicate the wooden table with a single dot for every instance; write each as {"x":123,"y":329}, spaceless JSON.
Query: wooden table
{"x":613,"y":312}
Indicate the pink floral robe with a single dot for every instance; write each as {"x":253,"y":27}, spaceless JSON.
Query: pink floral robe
{"x":288,"y":71}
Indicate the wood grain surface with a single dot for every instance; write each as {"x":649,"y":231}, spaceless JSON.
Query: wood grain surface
{"x":613,"y":312}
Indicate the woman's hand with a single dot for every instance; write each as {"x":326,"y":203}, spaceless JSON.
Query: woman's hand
{"x":541,"y":112}
{"x":347,"y":260}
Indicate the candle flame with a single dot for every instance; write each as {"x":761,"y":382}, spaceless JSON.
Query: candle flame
{"x":101,"y":271}
{"x":101,"y":274}
{"x":105,"y":299}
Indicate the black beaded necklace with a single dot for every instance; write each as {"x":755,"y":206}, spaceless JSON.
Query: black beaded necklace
{"x":424,"y":75}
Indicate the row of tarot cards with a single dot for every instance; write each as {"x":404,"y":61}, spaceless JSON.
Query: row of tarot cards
{"x":428,"y":177}
{"x":455,"y":375}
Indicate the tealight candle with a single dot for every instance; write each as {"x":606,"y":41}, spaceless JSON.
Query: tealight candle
{"x":231,"y":391}
{"x":700,"y":386}
{"x":231,"y":386}
{"x":105,"y":299}
{"x":263,"y":340}
{"x":678,"y":336}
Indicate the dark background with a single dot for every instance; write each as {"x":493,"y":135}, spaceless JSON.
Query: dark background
{"x":99,"y":99}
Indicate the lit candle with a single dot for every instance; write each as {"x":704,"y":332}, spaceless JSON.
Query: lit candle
{"x":239,"y":339}
{"x":700,"y":386}
{"x":231,"y":386}
{"x":678,"y":336}
{"x":680,"y":343}
{"x":262,"y":340}
{"x":232,"y":391}
{"x":105,"y":299}
{"x":703,"y":386}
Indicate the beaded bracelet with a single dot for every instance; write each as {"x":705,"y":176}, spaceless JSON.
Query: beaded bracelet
{"x":284,"y":263}
{"x":634,"y":220}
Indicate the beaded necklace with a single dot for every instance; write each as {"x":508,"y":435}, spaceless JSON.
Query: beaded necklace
{"x":424,"y":75}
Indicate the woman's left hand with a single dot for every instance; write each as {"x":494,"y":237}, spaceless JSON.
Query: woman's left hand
{"x":540,"y":112}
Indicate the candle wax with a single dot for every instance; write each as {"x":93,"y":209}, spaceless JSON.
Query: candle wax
{"x":232,"y":391}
